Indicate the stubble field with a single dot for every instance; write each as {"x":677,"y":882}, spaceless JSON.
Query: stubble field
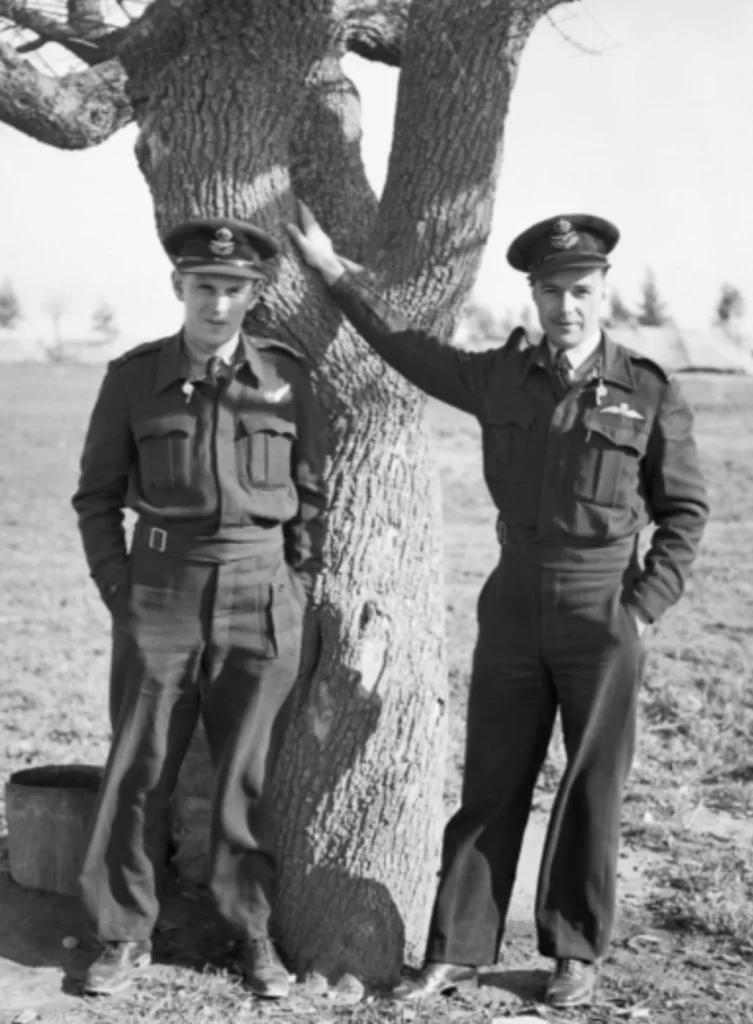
{"x":684,"y":945}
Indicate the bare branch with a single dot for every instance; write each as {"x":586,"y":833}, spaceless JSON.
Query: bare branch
{"x":460,"y":64}
{"x":86,"y":38}
{"x":87,"y":16}
{"x":73,"y":112}
{"x":36,"y":44}
{"x":557,"y":26}
{"x":375,"y":29}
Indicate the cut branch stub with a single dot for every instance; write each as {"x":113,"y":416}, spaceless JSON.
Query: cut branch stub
{"x":375,"y":29}
{"x":73,"y":112}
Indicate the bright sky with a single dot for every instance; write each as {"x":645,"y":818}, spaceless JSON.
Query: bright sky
{"x":652,"y":130}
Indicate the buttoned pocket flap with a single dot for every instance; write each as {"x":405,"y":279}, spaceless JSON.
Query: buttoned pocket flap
{"x":254,"y":422}
{"x":618,"y":430}
{"x":265,"y":442}
{"x":159,"y":426}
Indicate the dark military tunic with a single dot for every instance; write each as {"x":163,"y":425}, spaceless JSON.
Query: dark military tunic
{"x":226,"y":480}
{"x":575,"y":470}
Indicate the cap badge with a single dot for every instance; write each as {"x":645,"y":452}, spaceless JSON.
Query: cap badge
{"x":563,"y":236}
{"x":222,"y":244}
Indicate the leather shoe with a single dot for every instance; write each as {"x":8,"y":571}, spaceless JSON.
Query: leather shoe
{"x":114,"y":968}
{"x":263,"y":970}
{"x":437,"y":979}
{"x":572,"y":984}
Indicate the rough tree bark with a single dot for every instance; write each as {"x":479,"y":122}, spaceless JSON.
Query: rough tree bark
{"x":242,"y":106}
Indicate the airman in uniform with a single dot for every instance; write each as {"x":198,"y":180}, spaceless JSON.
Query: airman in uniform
{"x":212,"y":438}
{"x":584,"y":444}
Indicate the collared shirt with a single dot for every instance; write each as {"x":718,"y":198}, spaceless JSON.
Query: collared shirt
{"x":578,"y":354}
{"x":589,"y":467}
{"x":201,"y":459}
{"x":195,"y":365}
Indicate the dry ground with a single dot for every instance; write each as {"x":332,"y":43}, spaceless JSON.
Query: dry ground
{"x":684,"y":944}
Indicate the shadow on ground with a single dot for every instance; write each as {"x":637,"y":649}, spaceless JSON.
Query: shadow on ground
{"x":39,"y":972}
{"x":528,"y":986}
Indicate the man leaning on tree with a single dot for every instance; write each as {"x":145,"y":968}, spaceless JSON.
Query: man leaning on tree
{"x":584,"y":444}
{"x":212,"y":437}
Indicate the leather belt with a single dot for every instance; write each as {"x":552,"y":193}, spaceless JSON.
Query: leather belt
{"x":243,"y":543}
{"x":566,"y":553}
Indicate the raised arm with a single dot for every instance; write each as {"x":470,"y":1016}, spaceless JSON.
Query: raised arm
{"x":442,"y":371}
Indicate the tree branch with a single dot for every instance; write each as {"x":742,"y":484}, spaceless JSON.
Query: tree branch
{"x":375,"y":29}
{"x":326,"y":147}
{"x":73,"y":112}
{"x":86,"y":16}
{"x":460,"y":63}
{"x":89,"y":40}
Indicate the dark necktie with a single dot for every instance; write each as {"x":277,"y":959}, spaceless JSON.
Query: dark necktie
{"x":217,"y":371}
{"x":562,"y":368}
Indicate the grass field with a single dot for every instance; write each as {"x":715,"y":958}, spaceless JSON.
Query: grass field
{"x":684,"y":950}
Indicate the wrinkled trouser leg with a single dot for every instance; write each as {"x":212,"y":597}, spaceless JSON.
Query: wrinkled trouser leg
{"x":245,"y":712}
{"x":595,"y":657}
{"x":545,"y":639}
{"x":120,"y":661}
{"x":511,"y":710}
{"x":163,"y":634}
{"x":184,"y":629}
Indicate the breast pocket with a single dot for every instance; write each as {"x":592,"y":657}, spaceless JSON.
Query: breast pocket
{"x":264,"y":446}
{"x":507,"y":433}
{"x":165,"y":445}
{"x":608,"y":464}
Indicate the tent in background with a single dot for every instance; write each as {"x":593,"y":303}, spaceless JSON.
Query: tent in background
{"x":677,"y":349}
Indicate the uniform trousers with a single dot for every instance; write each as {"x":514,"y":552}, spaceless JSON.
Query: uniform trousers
{"x":220,"y":641}
{"x":550,"y":636}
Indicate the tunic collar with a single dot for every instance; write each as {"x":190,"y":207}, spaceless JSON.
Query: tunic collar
{"x":615,"y":368}
{"x":173,"y":363}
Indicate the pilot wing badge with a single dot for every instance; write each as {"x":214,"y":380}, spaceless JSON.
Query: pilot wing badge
{"x":623,"y":409}
{"x":278,"y":394}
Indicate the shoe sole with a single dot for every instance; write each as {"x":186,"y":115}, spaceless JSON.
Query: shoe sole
{"x":568,"y":1004}
{"x":267,"y":994}
{"x":113,"y":990}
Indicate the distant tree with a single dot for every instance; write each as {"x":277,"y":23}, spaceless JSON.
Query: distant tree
{"x":479,"y":321}
{"x":730,"y":307}
{"x":619,"y":313}
{"x":10,"y":306}
{"x":103,"y":321}
{"x":652,"y":311}
{"x":55,"y":307}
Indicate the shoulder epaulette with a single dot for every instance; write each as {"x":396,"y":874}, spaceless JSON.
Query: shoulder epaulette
{"x":138,"y":350}
{"x":263,"y":343}
{"x":638,"y":357}
{"x":518,"y":340}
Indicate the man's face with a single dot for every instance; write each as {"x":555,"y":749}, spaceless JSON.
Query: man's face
{"x":214,"y":305}
{"x":569,"y":305}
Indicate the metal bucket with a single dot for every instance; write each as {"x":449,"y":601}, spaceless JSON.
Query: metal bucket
{"x":49,"y":811}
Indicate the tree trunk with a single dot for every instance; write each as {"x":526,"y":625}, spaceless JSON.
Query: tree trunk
{"x":359,"y":783}
{"x":243,"y":105}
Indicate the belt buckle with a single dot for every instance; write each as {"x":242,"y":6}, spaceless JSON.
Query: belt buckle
{"x":157,"y":539}
{"x":501,"y":532}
